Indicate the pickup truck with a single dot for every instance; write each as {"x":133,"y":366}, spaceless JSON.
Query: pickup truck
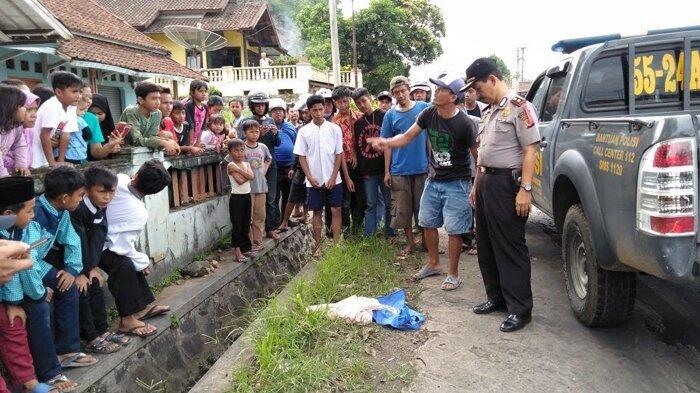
{"x":617,"y":167}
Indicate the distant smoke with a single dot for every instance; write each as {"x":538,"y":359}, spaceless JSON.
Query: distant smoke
{"x":289,"y":34}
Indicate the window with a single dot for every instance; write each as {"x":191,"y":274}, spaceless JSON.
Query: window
{"x":658,"y":76}
{"x":225,"y":57}
{"x":10,"y":64}
{"x":555,"y":96}
{"x":606,"y":87}
{"x":695,"y":73}
{"x":537,"y":92}
{"x":24,"y":65}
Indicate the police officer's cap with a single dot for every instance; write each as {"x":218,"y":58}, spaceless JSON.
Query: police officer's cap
{"x":477,"y":70}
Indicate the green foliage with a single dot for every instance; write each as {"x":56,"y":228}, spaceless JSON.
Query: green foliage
{"x":213,"y":91}
{"x":295,"y":350}
{"x":286,"y":60}
{"x":392,"y":35}
{"x":166,"y":282}
{"x":502,"y":67}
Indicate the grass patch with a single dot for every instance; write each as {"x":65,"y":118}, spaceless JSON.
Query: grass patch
{"x":296,"y":351}
{"x":169,"y":280}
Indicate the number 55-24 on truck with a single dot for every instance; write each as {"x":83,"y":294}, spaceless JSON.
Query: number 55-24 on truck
{"x":617,"y":167}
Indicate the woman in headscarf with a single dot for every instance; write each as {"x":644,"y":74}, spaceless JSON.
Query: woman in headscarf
{"x":100,"y":107}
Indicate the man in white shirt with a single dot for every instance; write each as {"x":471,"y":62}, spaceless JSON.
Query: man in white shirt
{"x":265,"y":64}
{"x":127,"y":267}
{"x":319,"y":146}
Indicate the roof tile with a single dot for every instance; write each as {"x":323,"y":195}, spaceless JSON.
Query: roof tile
{"x":91,"y":18}
{"x":140,"y":13}
{"x":121,"y":56}
{"x":236,"y":16}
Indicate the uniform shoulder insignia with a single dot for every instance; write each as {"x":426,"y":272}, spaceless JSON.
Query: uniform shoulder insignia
{"x":518,"y":101}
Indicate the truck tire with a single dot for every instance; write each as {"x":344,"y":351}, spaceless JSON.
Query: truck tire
{"x":598,"y":297}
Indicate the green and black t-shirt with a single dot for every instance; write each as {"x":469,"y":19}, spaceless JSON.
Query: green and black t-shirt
{"x":449,"y":141}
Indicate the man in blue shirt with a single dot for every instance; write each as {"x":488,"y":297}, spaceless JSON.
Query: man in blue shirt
{"x":406,"y":167}
{"x":284,"y":156}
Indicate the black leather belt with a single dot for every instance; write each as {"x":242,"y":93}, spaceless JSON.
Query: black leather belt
{"x":496,"y":171}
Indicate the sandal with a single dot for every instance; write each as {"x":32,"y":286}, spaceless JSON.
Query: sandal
{"x":103,"y":347}
{"x":154,"y":311}
{"x":241,"y":259}
{"x":73,"y":361}
{"x":425,"y":272}
{"x":117,"y":339}
{"x":472,"y":251}
{"x":44,"y":388}
{"x":134,"y":331}
{"x":451,"y":283}
{"x":61,"y":380}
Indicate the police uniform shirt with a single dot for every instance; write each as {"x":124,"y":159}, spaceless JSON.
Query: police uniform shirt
{"x":504,"y":130}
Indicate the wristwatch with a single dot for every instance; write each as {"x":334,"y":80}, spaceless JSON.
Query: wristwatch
{"x":526,"y":186}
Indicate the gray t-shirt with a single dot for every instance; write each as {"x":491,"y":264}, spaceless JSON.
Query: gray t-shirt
{"x":257,"y":157}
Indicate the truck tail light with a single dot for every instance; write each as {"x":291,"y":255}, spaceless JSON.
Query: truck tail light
{"x":667,"y":189}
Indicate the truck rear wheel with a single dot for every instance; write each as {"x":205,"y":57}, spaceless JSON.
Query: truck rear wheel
{"x":598,"y":297}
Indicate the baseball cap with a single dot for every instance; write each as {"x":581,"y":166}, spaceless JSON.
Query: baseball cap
{"x":479,"y":69}
{"x":398,"y":81}
{"x":452,"y":82}
{"x":383,"y":94}
{"x":278,"y":103}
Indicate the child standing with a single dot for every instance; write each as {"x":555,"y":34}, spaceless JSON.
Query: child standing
{"x":196,"y":108}
{"x":182,"y":130}
{"x":259,"y":158}
{"x":13,"y":147}
{"x":18,"y":200}
{"x":56,"y":118}
{"x":213,"y":138}
{"x":64,"y":188}
{"x":239,"y":206}
{"x":90,"y":223}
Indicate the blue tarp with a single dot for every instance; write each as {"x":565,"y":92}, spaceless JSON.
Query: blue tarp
{"x":396,"y":313}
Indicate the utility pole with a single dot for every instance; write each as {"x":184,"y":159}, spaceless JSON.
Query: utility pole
{"x":521,"y":63}
{"x":354,"y":43}
{"x":335,"y":51}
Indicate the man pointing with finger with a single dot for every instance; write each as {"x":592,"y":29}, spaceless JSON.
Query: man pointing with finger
{"x":508,"y":137}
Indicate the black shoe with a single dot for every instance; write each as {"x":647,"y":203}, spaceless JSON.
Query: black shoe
{"x":488,"y":307}
{"x":515,"y":322}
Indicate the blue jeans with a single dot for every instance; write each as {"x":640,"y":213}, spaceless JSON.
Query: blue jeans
{"x":44,"y":345}
{"x":446,"y":203}
{"x":374,"y":188}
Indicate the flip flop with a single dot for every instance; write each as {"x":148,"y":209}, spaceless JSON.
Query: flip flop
{"x":133,"y":332}
{"x":152,"y":312}
{"x":103,"y":347}
{"x":72,"y":361}
{"x":60,"y":378}
{"x":118,"y":339}
{"x":242,"y":259}
{"x":451,"y":283}
{"x":425,"y":272}
{"x":472,"y":251}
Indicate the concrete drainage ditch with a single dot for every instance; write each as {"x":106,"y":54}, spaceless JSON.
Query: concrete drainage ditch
{"x":206,"y":314}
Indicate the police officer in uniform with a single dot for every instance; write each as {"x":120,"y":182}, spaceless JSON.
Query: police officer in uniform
{"x":508,"y":138}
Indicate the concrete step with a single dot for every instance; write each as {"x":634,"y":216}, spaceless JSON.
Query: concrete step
{"x":205,"y":311}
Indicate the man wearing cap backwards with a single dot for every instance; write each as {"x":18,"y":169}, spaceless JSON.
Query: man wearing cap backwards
{"x":451,"y":138}
{"x":508,"y":137}
{"x":405,"y":168}
{"x":421,"y":92}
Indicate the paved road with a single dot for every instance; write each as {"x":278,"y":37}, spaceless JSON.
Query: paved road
{"x":654,"y":352}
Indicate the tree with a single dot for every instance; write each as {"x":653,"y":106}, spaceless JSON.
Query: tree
{"x":392,"y":35}
{"x":501,"y":65}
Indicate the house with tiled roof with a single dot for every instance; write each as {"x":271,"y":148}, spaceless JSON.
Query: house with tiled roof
{"x":81,"y":36}
{"x":248,"y":29}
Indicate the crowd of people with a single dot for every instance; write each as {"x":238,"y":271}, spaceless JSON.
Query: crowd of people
{"x":409,"y":160}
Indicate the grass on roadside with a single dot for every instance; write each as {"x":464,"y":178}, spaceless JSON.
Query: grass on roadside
{"x":296,"y":351}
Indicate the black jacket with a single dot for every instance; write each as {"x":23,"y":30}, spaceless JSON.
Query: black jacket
{"x":92,"y":229}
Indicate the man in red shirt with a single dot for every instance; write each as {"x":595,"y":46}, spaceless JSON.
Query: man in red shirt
{"x":354,"y":202}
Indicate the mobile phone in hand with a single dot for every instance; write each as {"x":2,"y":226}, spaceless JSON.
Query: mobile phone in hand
{"x":39,"y":243}
{"x":123,"y":129}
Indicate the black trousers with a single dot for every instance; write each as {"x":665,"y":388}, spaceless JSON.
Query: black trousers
{"x":128,"y":287}
{"x":284,"y":186}
{"x":92,"y":312}
{"x":239,"y":206}
{"x":272,"y":214}
{"x":504,"y":259}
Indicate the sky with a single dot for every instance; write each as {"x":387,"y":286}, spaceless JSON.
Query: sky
{"x":536,"y":25}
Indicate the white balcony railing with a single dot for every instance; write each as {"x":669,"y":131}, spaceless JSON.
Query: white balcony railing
{"x":298,"y":79}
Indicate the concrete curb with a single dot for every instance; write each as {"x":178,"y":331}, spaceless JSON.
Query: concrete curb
{"x":240,"y":353}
